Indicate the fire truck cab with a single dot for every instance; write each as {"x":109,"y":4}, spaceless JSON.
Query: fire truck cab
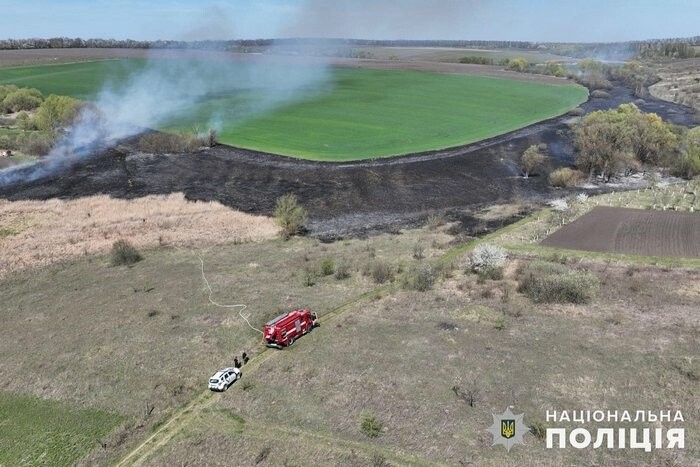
{"x":285,"y":329}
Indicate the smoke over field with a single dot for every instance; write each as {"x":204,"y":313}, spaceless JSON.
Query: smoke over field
{"x":166,"y":86}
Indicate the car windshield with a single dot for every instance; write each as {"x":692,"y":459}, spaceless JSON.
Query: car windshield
{"x":213,"y":380}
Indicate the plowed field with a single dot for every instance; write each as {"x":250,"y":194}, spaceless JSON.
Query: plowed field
{"x":632,"y":231}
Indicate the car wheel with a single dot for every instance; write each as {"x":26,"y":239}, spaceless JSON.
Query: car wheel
{"x":291,"y":341}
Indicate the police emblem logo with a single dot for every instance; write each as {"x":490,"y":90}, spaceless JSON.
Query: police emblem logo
{"x":508,"y":429}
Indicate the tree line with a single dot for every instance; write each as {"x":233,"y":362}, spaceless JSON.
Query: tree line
{"x":672,"y":48}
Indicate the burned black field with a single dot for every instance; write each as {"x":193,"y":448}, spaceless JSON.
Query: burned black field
{"x":342,"y":199}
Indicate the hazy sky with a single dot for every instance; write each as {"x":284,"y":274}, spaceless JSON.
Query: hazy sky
{"x":529,"y":20}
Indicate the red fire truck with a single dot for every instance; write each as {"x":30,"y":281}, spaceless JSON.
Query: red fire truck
{"x":285,"y":329}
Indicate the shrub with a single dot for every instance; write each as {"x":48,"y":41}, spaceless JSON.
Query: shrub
{"x":539,"y":429}
{"x":35,"y":143}
{"x":57,"y":112}
{"x":309,"y":278}
{"x":476,"y":60}
{"x":342,"y":271}
{"x":166,"y":143}
{"x":436,"y":219}
{"x":420,"y":277}
{"x":371,"y":426}
{"x":555,"y":69}
{"x":491,"y":273}
{"x":124,"y":253}
{"x":532,"y":160}
{"x":499,"y":324}
{"x":6,"y":89}
{"x":565,"y":178}
{"x":381,"y":272}
{"x":418,"y":251}
{"x":212,"y":138}
{"x":290,"y":215}
{"x":25,"y":122}
{"x":577,"y":112}
{"x":379,"y":460}
{"x":519,"y":64}
{"x":600,"y":94}
{"x":559,"y":205}
{"x":327,"y":267}
{"x":444,"y":269}
{"x":487,"y":256}
{"x":22,"y":99}
{"x":555,"y":283}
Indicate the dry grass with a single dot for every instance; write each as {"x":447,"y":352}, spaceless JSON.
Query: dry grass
{"x":393,"y":358}
{"x":126,"y":339}
{"x":679,"y":83}
{"x":38,"y":233}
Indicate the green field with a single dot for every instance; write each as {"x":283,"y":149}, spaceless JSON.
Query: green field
{"x":40,"y":432}
{"x":363,"y":114}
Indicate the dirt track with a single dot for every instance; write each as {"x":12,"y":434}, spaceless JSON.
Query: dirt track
{"x":343,"y":199}
{"x":632,"y":231}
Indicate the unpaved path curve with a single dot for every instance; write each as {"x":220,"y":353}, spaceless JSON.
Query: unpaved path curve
{"x":184,"y":415}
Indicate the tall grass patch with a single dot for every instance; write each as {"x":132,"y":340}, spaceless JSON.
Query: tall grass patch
{"x":41,"y":432}
{"x":545,"y":282}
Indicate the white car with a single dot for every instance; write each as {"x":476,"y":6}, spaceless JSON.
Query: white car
{"x":222,"y":379}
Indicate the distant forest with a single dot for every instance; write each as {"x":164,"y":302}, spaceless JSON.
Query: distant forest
{"x":656,"y":48}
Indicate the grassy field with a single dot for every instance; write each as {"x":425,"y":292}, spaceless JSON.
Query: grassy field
{"x":126,"y":339}
{"x":363,"y":114}
{"x":149,"y":333}
{"x":445,"y":54}
{"x":42,"y":432}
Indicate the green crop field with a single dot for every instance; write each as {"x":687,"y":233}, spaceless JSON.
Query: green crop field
{"x":362,"y":114}
{"x":40,"y":432}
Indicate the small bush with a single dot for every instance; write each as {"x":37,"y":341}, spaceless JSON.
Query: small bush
{"x":492,"y":273}
{"x":555,"y":283}
{"x":532,"y":160}
{"x":539,"y":429}
{"x":419,"y":277}
{"x":327,"y":267}
{"x":565,"y":177}
{"x":35,"y":143}
{"x":57,"y":112}
{"x":499,"y":324}
{"x":290,"y":215}
{"x":212,"y":138}
{"x":381,"y":272}
{"x":436,"y":219}
{"x":577,"y":112}
{"x":371,"y":426}
{"x":166,"y":143}
{"x":418,"y":251}
{"x":124,"y":253}
{"x":309,"y":278}
{"x":487,"y":256}
{"x":342,"y":271}
{"x":22,"y":99}
{"x":379,"y":460}
{"x":444,"y":269}
{"x":599,"y":94}
{"x":476,"y":60}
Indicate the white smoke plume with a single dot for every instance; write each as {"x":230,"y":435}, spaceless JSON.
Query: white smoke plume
{"x":169,"y":86}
